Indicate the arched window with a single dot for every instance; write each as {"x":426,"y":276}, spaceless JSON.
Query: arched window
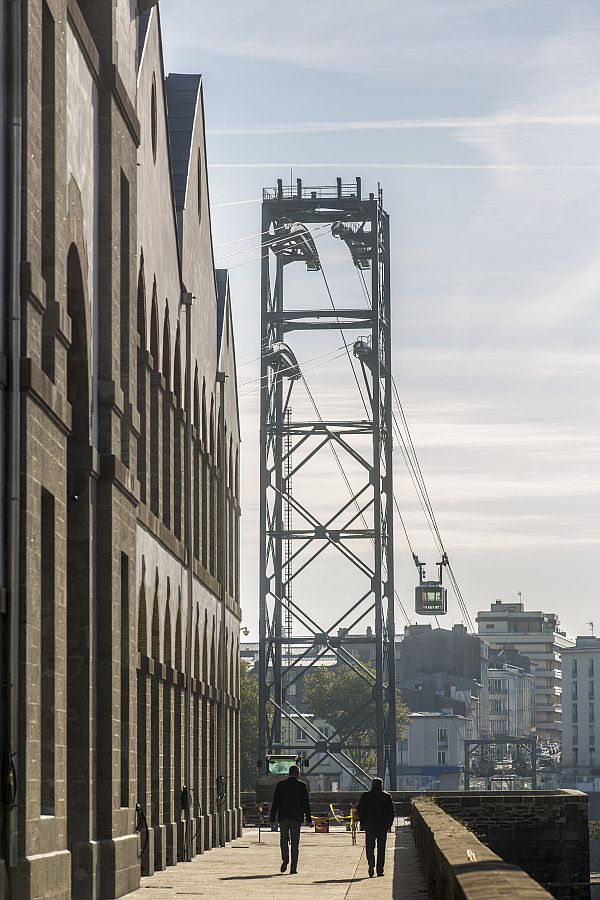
{"x":213,"y":659}
{"x":153,"y":118}
{"x":142,"y":623}
{"x":177,"y":371}
{"x":154,"y":335}
{"x":166,"y":360}
{"x":204,"y":427}
{"x":197,"y":653}
{"x":196,"y":403}
{"x":156,"y":624}
{"x":142,"y":449}
{"x":168,"y":642}
{"x":178,"y":648}
{"x":205,"y":650}
{"x":199,"y":185}
{"x":141,"y":305}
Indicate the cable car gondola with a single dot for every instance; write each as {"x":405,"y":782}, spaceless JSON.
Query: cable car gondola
{"x":431,"y":598}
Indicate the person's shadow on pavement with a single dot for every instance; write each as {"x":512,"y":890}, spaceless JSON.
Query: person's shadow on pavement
{"x":248,"y":877}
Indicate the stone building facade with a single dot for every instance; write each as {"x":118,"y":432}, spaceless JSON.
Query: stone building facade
{"x":128,"y":606}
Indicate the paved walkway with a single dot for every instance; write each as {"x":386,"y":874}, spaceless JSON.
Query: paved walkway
{"x":329,"y":868}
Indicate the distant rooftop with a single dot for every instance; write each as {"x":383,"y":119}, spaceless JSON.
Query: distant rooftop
{"x":584,"y":642}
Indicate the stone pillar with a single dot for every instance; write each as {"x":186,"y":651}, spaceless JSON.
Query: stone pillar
{"x":144,"y":783}
{"x":160,"y":851}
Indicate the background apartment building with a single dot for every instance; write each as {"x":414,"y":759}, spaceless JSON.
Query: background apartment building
{"x":431,"y":756}
{"x":534,"y":634}
{"x":581,"y":711}
{"x":442,"y":670}
{"x":512,"y":694}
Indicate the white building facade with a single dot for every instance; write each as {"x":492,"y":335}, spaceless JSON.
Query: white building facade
{"x":534,"y":634}
{"x":581,"y":710}
{"x":431,"y":756}
{"x":512,"y":701}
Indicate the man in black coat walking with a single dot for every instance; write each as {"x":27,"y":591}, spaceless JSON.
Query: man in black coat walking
{"x":376,"y":813}
{"x":292,"y":805}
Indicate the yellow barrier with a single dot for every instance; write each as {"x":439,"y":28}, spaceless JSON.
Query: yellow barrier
{"x":321,"y":823}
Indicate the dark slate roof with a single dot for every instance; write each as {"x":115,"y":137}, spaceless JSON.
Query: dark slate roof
{"x":182,"y":98}
{"x":144,"y":19}
{"x":221,"y":277}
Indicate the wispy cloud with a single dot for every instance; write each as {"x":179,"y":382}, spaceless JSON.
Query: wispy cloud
{"x":385,"y":40}
{"x":503,"y":120}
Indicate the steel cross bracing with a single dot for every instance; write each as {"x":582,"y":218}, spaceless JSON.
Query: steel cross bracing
{"x":360,"y":529}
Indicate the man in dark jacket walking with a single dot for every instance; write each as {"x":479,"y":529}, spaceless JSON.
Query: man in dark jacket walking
{"x":292,"y":805}
{"x":376,"y":813}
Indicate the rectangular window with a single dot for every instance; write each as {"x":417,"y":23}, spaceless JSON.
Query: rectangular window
{"x":124,"y":680}
{"x":47,"y":653}
{"x":574,"y":713}
{"x":300,"y":734}
{"x":575,"y":756}
{"x":574,"y":690}
{"x":576,"y":735}
{"x":48,"y":193}
{"x":442,"y":735}
{"x":489,"y":625}
{"x":124,"y":305}
{"x":591,"y":669}
{"x":591,"y":712}
{"x":441,"y":757}
{"x":574,"y":668}
{"x":591,"y":690}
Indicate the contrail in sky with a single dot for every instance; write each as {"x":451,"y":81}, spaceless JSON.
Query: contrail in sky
{"x":409,"y":124}
{"x":565,"y":167}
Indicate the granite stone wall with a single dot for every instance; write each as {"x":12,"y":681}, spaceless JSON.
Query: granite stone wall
{"x":545,"y":833}
{"x":104,"y":658}
{"x":458,"y":866}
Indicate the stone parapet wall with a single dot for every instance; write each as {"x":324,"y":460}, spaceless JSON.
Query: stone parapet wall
{"x":458,"y":866}
{"x":543,"y":832}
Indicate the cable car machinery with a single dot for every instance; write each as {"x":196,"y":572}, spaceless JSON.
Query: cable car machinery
{"x":431,"y":597}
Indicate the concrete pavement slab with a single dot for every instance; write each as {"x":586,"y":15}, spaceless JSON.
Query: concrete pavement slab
{"x":330,"y":867}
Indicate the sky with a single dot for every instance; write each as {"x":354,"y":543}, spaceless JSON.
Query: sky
{"x":481,"y":121}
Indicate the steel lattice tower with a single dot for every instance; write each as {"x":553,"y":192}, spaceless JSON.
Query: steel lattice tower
{"x":292,"y":537}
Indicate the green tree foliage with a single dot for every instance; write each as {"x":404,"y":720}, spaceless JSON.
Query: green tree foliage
{"x":344,"y":699}
{"x":248,"y":727}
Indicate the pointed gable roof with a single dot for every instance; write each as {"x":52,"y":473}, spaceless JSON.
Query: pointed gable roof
{"x":143,"y":22}
{"x":183,"y":92}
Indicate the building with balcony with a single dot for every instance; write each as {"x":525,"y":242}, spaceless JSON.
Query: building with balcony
{"x":535,"y":634}
{"x":581,"y":710}
{"x":512,"y":694}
